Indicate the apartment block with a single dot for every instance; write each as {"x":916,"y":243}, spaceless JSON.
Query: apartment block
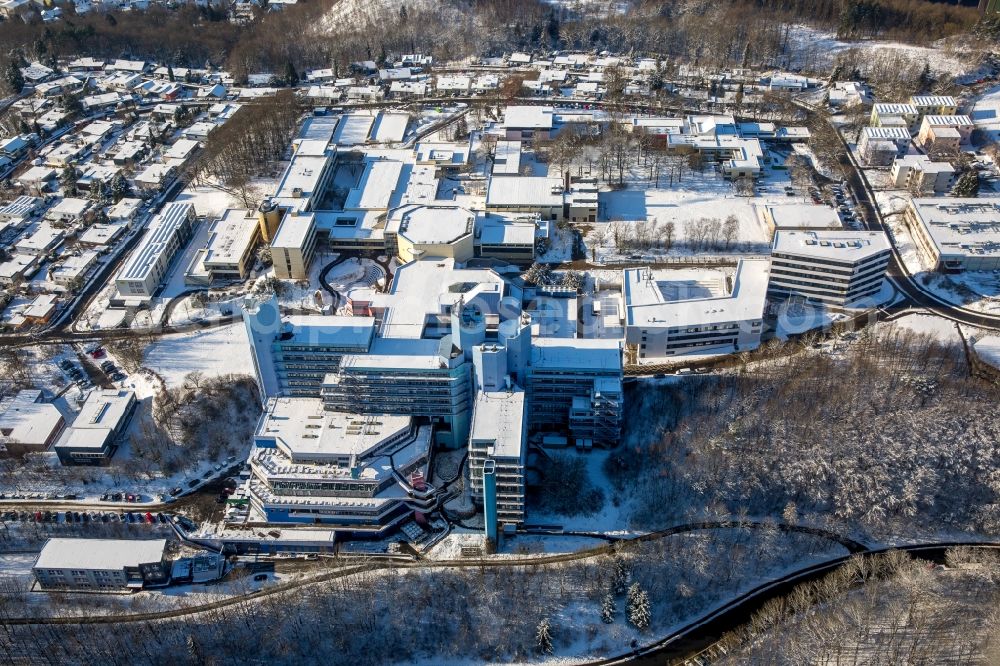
{"x":921,"y":174}
{"x":881,"y":113}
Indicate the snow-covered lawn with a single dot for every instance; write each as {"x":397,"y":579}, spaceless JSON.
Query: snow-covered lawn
{"x":216,"y":351}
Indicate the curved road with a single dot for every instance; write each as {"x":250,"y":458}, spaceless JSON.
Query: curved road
{"x":405,"y":562}
{"x":898,"y":273}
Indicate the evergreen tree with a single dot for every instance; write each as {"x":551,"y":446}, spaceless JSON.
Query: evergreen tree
{"x":620,"y":576}
{"x":552,"y":29}
{"x":967,"y":185}
{"x":925,"y":76}
{"x":118,"y":188}
{"x":170,"y":73}
{"x":608,"y":609}
{"x":402,"y":13}
{"x":13,"y":77}
{"x":68,"y":179}
{"x":638,"y":607}
{"x":97,"y":190}
{"x":291,"y":76}
{"x":543,"y":636}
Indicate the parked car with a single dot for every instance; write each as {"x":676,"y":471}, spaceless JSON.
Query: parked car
{"x":259,"y":577}
{"x":118,"y":377}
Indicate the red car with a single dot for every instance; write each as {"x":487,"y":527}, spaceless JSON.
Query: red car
{"x":149,"y":517}
{"x":98,"y":353}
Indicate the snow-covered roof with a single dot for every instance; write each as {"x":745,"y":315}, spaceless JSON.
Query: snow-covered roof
{"x":835,"y":245}
{"x":499,"y":417}
{"x":647,"y":304}
{"x":99,"y":554}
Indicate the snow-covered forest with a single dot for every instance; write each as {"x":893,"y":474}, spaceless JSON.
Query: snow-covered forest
{"x":891,"y":437}
{"x":596,"y":605}
{"x":907,"y":612}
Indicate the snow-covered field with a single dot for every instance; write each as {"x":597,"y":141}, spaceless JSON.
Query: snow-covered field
{"x":986,"y":113}
{"x":817,"y":49}
{"x":216,"y":351}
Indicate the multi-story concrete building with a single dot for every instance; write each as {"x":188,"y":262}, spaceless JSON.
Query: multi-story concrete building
{"x":293,"y":246}
{"x":101,"y":564}
{"x":879,"y":146}
{"x":944,"y":135}
{"x":99,"y":428}
{"x":667,"y":317}
{"x":839,"y":269}
{"x":560,"y":371}
{"x":418,"y":231}
{"x":229,"y":253}
{"x":414,"y":377}
{"x":526,"y":194}
{"x":168,"y":232}
{"x":907,"y":112}
{"x":934,"y":105}
{"x":919,"y":173}
{"x":499,"y":431}
{"x":362,"y":472}
{"x":291,"y":356}
{"x":955,"y":234}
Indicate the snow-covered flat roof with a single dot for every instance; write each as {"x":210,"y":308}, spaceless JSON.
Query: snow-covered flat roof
{"x":99,"y":554}
{"x":961,"y":226}
{"x":528,"y":117}
{"x":647,"y":303}
{"x":302,"y":177}
{"x":354,"y":129}
{"x":498,"y":417}
{"x":162,"y":230}
{"x":306,"y":432}
{"x":25,"y":421}
{"x":294,"y":230}
{"x":429,"y":287}
{"x":431,"y":225}
{"x":891,"y":133}
{"x":840,"y":245}
{"x":803,"y":216}
{"x":593,"y":354}
{"x":232,"y":234}
{"x":525,"y":191}
{"x":104,"y":409}
{"x":377,"y":185}
{"x":948,"y":121}
{"x":390,"y":127}
{"x":933,"y":100}
{"x":895,"y":109}
{"x":354,"y":333}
